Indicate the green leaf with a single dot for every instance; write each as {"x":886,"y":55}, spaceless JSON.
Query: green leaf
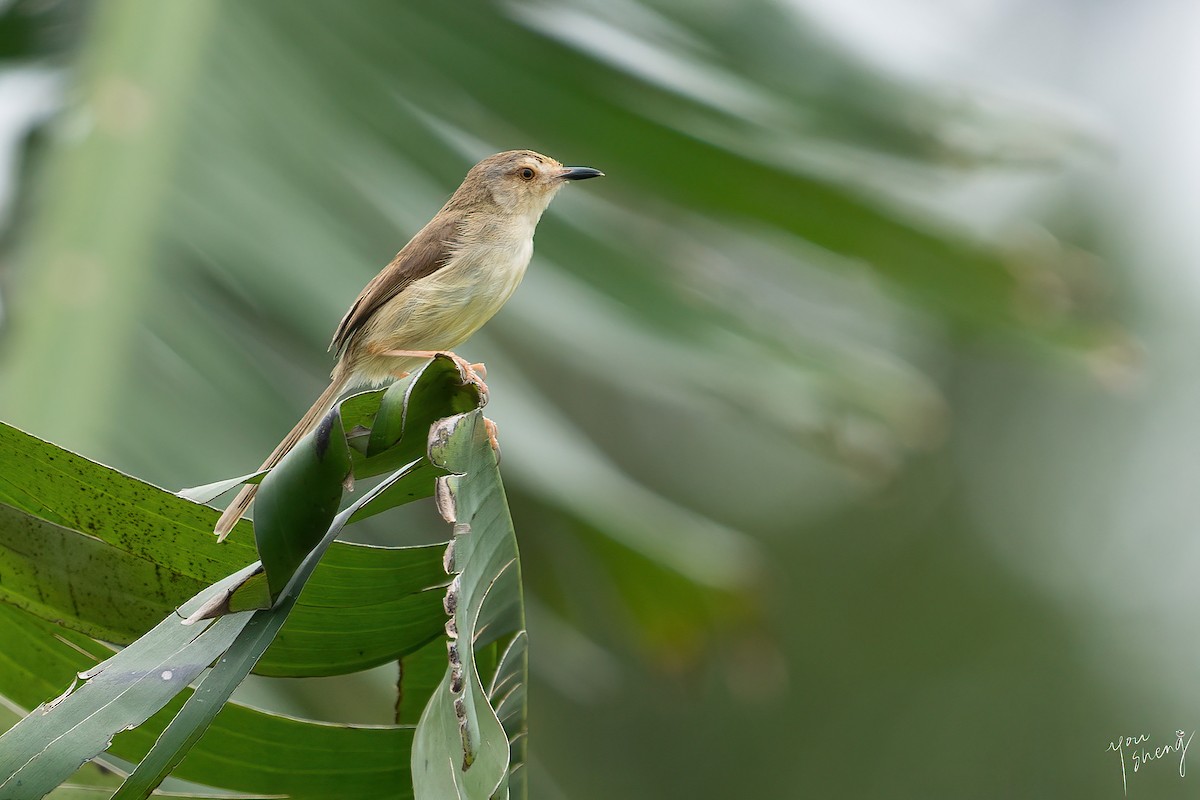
{"x":417,"y":481}
{"x":305,"y":469}
{"x":410,"y":406}
{"x":209,"y":697}
{"x":507,"y":694}
{"x":58,"y":573}
{"x":461,"y":748}
{"x":253,"y":594}
{"x":359,"y":411}
{"x":152,"y":671}
{"x":110,"y":555}
{"x":211,"y":491}
{"x":47,"y":746}
{"x":299,"y":499}
{"x":251,"y":751}
{"x":387,"y":428}
{"x":438,"y":389}
{"x":420,"y":676}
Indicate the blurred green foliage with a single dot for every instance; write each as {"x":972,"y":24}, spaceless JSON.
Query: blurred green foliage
{"x":747,"y":393}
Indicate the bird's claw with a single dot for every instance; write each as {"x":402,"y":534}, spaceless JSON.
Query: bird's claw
{"x":493,"y":431}
{"x":474,"y":373}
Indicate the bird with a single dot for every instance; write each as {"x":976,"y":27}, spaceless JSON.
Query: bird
{"x":442,"y":286}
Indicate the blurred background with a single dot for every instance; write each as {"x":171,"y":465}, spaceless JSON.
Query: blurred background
{"x":849,"y":424}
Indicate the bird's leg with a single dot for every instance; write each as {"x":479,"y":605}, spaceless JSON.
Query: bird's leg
{"x":373,"y":348}
{"x":475,"y":372}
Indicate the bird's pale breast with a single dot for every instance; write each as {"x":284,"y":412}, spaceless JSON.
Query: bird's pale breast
{"x":440,"y":311}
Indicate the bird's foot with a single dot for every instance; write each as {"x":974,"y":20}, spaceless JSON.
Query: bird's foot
{"x":493,"y":431}
{"x":475,"y":373}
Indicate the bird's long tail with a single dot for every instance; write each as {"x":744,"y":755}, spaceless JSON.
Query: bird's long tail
{"x":234,"y":512}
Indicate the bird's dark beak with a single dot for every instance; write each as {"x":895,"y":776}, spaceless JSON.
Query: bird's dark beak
{"x":580,"y":173}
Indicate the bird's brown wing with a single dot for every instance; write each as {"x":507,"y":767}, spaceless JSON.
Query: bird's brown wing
{"x":424,"y":255}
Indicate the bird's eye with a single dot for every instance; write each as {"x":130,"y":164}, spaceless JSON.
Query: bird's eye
{"x":527,"y":174}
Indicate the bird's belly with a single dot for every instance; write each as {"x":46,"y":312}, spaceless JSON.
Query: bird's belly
{"x":442,"y":310}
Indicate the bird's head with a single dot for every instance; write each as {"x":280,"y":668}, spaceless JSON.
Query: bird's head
{"x":521,"y":182}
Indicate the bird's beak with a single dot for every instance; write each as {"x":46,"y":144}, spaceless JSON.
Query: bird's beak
{"x":580,"y":173}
